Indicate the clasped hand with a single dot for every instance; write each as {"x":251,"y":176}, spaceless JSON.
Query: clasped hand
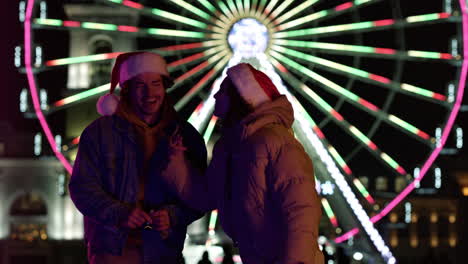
{"x":158,"y":220}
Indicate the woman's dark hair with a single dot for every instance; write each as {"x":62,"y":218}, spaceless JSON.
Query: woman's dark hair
{"x":238,"y":107}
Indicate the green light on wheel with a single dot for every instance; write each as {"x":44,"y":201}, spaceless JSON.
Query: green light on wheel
{"x":424,"y":54}
{"x":389,"y":160}
{"x":416,"y":90}
{"x":421,"y":18}
{"x":403,"y":124}
{"x":175,"y":33}
{"x":49,"y":22}
{"x":321,"y":30}
{"x":360,"y":2}
{"x":99,"y":26}
{"x":207,"y":5}
{"x":181,"y":19}
{"x":115,"y":1}
{"x":83,"y":95}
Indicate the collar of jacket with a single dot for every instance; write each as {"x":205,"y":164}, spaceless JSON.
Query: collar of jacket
{"x":124,"y":127}
{"x":279,"y":112}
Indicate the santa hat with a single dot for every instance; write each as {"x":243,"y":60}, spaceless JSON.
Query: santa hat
{"x":254,"y":86}
{"x":127,"y":66}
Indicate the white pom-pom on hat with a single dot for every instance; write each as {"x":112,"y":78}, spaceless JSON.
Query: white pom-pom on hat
{"x":127,"y":66}
{"x":107,"y":104}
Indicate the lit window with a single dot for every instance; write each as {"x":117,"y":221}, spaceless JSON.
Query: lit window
{"x":381,"y":184}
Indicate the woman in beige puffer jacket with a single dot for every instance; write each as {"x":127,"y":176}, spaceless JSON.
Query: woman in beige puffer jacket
{"x":260,"y":178}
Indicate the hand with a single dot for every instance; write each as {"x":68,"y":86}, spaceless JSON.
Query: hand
{"x":137,"y":218}
{"x":161,"y":222}
{"x":176,"y":144}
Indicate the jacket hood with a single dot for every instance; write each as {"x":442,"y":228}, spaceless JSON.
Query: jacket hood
{"x":278,"y":111}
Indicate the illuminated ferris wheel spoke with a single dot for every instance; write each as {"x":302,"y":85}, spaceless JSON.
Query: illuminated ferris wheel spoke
{"x":195,"y":57}
{"x":161,"y":14}
{"x":190,"y":47}
{"x":381,"y":81}
{"x":345,"y":49}
{"x":364,"y":26}
{"x":280,"y":8}
{"x":248,"y":10}
{"x":329,"y":212}
{"x":148,"y":32}
{"x":79,"y":97}
{"x":351,"y":130}
{"x":82,"y":59}
{"x":199,"y":86}
{"x":208,"y":6}
{"x":225,"y":9}
{"x":233,"y":8}
{"x":260,"y":8}
{"x":270,"y":6}
{"x":209,"y":129}
{"x":240,"y":7}
{"x":194,"y":10}
{"x":324,"y":14}
{"x":199,"y":68}
{"x":108,"y":56}
{"x":294,"y":11}
{"x":390,"y":119}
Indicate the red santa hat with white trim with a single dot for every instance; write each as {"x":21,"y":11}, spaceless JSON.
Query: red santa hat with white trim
{"x":127,"y":66}
{"x":254,"y":86}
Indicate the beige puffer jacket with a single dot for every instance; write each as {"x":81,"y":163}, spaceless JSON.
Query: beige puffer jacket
{"x":263,"y":182}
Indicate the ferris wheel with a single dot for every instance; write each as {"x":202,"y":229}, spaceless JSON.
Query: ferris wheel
{"x":376,"y":84}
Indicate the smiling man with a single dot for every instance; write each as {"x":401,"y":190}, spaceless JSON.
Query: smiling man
{"x":131,"y":216}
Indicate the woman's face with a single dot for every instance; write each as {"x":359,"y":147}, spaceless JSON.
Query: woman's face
{"x":222,"y":100}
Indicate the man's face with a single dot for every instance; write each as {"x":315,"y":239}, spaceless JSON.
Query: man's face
{"x":222,"y":100}
{"x":147,"y":93}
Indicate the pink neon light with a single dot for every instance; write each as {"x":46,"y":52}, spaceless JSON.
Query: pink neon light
{"x":71,"y":23}
{"x":371,"y":145}
{"x":281,"y":67}
{"x":385,"y":51}
{"x":344,"y":6}
{"x":334,"y":221}
{"x":445,"y":133}
{"x":401,"y":170}
{"x":439,"y":97}
{"x":127,"y":29}
{"x":370,"y":199}
{"x":368,"y":105}
{"x":384,"y":22}
{"x":186,"y":60}
{"x":182,"y":47}
{"x":423,"y":134}
{"x":33,"y":88}
{"x":444,"y":15}
{"x":318,"y":132}
{"x":76,"y":140}
{"x":379,"y":78}
{"x":336,"y":115}
{"x":446,"y":56}
{"x":132,"y":4}
{"x":347,"y":169}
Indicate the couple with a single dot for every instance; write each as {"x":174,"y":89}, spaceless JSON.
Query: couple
{"x":140,"y":176}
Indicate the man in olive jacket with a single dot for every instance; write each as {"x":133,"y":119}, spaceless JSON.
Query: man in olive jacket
{"x":130,"y":215}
